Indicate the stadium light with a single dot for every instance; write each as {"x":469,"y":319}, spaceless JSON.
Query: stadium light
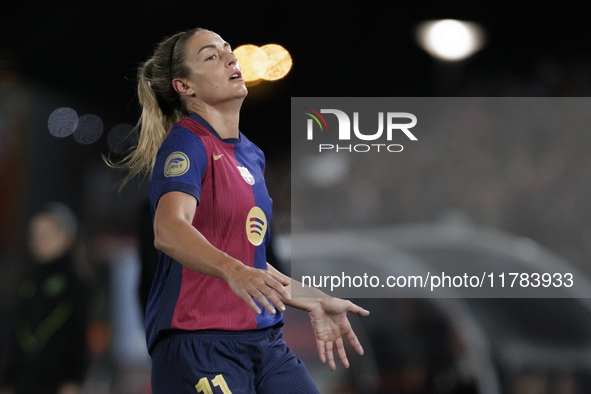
{"x":253,"y":63}
{"x":269,"y":62}
{"x":449,"y":39}
{"x":279,"y":62}
{"x":86,"y":129}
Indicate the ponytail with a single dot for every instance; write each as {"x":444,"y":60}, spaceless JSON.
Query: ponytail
{"x":161,"y":105}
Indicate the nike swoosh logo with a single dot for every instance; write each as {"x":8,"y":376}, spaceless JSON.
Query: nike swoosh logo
{"x":216,"y":157}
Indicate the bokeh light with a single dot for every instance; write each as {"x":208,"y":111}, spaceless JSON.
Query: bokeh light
{"x":253,"y":62}
{"x":270,"y":62}
{"x":279,"y":62}
{"x":89,"y":130}
{"x":449,"y":39}
{"x":62,"y":122}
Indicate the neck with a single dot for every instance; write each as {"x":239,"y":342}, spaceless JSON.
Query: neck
{"x":224,"y":118}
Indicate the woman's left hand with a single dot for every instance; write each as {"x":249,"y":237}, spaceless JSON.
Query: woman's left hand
{"x":330,"y":323}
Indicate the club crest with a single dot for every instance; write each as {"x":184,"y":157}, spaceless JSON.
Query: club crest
{"x":248,"y":178}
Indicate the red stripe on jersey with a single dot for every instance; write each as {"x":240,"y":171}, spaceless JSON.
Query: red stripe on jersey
{"x":206,"y":302}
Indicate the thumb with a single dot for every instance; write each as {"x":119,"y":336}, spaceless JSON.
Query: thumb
{"x":356,"y":309}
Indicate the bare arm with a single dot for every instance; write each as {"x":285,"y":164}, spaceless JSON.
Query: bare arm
{"x":175,"y":236}
{"x":329,"y":320}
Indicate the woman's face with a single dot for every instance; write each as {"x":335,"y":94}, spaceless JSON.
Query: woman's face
{"x":47,"y":240}
{"x":215,"y":75}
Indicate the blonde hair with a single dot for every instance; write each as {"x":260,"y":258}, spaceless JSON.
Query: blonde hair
{"x":161,"y":105}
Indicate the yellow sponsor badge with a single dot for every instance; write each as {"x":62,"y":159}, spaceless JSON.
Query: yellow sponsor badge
{"x":176,"y":164}
{"x":256,"y":226}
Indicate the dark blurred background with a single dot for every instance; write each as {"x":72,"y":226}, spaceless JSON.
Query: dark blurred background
{"x":84,"y":55}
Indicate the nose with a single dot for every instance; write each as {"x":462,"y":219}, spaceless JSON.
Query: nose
{"x":231,"y":59}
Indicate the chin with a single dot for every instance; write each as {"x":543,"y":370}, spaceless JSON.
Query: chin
{"x":242,"y":95}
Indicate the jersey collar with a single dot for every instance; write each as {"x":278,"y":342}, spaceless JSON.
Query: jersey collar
{"x":203,"y":122}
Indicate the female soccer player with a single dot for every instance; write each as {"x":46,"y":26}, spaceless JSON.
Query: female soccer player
{"x":214,"y":310}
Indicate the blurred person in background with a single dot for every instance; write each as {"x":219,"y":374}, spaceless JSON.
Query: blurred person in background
{"x":49,"y":355}
{"x":211,"y":314}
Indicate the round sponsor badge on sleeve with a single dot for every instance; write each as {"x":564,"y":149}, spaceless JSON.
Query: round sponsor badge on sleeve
{"x":176,"y":164}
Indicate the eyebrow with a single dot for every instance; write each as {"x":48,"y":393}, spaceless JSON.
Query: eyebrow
{"x":213,"y":46}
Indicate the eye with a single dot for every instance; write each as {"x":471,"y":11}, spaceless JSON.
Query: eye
{"x":211,"y":57}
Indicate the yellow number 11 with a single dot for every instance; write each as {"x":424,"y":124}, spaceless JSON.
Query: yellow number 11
{"x":219,"y":381}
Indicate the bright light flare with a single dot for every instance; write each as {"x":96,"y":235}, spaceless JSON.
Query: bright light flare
{"x":270,"y":62}
{"x":253,"y":62}
{"x":450,"y":40}
{"x":89,"y":129}
{"x":86,"y":129}
{"x":279,"y":62}
{"x":62,"y":122}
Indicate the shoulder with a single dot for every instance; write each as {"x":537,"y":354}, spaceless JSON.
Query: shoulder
{"x":248,"y":144}
{"x":181,"y":137}
{"x":181,"y":164}
{"x":182,"y":142}
{"x":181,"y":152}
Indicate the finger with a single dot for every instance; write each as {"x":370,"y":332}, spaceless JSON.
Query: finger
{"x":276,"y":294}
{"x":355,"y":342}
{"x":321,"y":351}
{"x":272,"y":296}
{"x":356,"y":309}
{"x":263,"y":285}
{"x":275,"y":300}
{"x":260,"y":297}
{"x":248,"y":299}
{"x":330,"y":355}
{"x":259,"y":290}
{"x":278,"y":284}
{"x":341,"y":352}
{"x":284,"y":280}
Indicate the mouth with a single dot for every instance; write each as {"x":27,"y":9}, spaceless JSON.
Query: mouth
{"x":236,"y":75}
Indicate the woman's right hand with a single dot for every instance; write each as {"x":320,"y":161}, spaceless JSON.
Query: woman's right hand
{"x":256,"y":284}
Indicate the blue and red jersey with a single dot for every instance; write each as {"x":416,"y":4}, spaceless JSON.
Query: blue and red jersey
{"x":233,"y":213}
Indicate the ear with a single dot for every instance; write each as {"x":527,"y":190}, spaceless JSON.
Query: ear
{"x":182,"y":87}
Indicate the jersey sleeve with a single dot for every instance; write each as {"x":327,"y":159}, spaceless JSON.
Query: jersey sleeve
{"x":180,"y":165}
